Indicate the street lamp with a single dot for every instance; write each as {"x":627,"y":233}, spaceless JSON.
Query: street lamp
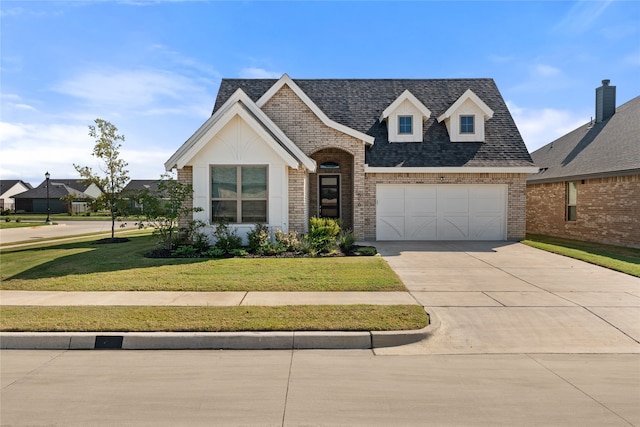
{"x":48,"y":220}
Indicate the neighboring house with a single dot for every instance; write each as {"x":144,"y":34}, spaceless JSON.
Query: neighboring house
{"x":8,"y":189}
{"x":392,"y":159}
{"x":35,"y":200}
{"x":588,"y":186}
{"x":136,"y":187}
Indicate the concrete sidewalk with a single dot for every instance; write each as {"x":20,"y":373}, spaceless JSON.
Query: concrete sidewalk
{"x":125,"y":298}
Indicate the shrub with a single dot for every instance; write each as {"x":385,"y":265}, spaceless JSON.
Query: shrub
{"x":259,"y":240}
{"x":366,"y":251}
{"x":227,"y":238}
{"x":18,"y":219}
{"x":192,"y":236}
{"x":346,"y":239}
{"x":7,"y":219}
{"x":214,"y":252}
{"x":289,"y":241}
{"x":239,"y":252}
{"x":186,"y":251}
{"x":322,"y":234}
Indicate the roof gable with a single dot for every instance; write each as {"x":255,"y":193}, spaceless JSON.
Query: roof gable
{"x":406,"y":96}
{"x":467,"y":96}
{"x":239,"y":104}
{"x":286,"y":80}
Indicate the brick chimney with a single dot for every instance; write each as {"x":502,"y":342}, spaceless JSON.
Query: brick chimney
{"x":605,"y":101}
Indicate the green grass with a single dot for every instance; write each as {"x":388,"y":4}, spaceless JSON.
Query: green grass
{"x":212,"y":319}
{"x":86,"y":266}
{"x":619,"y":258}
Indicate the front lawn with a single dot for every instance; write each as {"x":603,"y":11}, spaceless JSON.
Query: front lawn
{"x":86,"y":266}
{"x":620,"y":258}
{"x":213,"y":319}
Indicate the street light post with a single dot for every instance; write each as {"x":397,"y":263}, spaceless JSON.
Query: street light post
{"x":48,"y":220}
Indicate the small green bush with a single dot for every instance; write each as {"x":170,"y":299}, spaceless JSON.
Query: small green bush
{"x":227,"y":238}
{"x":259,"y":240}
{"x":346,"y":240}
{"x":214,"y":252}
{"x":322,"y":234}
{"x":7,"y":219}
{"x":366,"y":251}
{"x":239,"y":252}
{"x":18,"y":219}
{"x":187,"y":251}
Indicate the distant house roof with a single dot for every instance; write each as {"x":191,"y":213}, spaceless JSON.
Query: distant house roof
{"x":359,"y":103}
{"x":77,"y":184}
{"x":142,"y":184}
{"x":607,"y":148}
{"x":57,"y":190}
{"x":7,"y":184}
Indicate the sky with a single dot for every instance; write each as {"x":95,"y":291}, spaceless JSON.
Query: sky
{"x":153,"y":68}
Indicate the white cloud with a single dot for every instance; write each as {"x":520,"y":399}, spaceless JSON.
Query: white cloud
{"x":545,"y":70}
{"x":539,"y":127}
{"x":259,"y":73}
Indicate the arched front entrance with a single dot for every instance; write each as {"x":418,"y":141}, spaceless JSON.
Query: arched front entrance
{"x":331,"y":187}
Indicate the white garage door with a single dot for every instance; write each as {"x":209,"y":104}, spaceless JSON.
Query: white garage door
{"x":441,"y":212}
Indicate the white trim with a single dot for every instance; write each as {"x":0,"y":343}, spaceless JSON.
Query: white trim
{"x":286,"y":80}
{"x":293,"y":155}
{"x":468,"y":94}
{"x":452,"y":169}
{"x":405,"y":96}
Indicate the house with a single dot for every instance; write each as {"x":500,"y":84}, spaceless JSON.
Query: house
{"x":35,"y":200}
{"x":588,"y":186}
{"x":135,"y":188}
{"x":392,"y":159}
{"x":8,"y":189}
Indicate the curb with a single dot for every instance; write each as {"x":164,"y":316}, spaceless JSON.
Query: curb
{"x":214,"y":340}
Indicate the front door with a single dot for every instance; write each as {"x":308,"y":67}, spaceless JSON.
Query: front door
{"x":329,"y":195}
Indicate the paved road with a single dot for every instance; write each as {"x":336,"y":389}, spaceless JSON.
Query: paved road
{"x":61,"y":229}
{"x":525,"y":338}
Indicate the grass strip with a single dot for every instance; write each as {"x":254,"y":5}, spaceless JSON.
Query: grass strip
{"x":6,"y":225}
{"x":85,"y":266}
{"x":212,"y":319}
{"x":619,"y":258}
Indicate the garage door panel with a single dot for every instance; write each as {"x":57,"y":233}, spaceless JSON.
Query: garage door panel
{"x":453,"y":228}
{"x":441,"y":212}
{"x":421,"y":228}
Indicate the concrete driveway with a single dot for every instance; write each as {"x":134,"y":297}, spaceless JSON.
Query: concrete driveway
{"x":503,"y":297}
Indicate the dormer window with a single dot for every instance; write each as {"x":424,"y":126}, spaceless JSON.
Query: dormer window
{"x":466,"y":124}
{"x":405,"y":125}
{"x":460,"y":118}
{"x":405,"y":117}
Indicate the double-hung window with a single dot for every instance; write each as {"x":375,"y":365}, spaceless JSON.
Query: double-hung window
{"x":467,"y":124}
{"x":239,"y":194}
{"x":572,"y":198}
{"x":405,"y":125}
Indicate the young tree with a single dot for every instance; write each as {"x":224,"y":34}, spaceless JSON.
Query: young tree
{"x":165,"y":210}
{"x":114,"y":176}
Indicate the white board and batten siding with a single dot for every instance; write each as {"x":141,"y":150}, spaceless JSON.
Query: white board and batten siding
{"x":441,"y":212}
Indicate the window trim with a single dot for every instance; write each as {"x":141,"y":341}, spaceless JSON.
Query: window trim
{"x":473,"y":124}
{"x":405,"y":116}
{"x":571,"y":215}
{"x":239,"y":198}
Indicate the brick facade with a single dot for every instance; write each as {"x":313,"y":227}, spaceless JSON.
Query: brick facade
{"x":516,"y":199}
{"x":345,"y":161}
{"x":185,"y":176}
{"x":308,"y":132}
{"x":608,"y":210}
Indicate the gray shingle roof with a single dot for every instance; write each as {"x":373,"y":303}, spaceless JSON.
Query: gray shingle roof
{"x":607,"y":148}
{"x":359,"y":103}
{"x":57,"y":190}
{"x":7,"y":184}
